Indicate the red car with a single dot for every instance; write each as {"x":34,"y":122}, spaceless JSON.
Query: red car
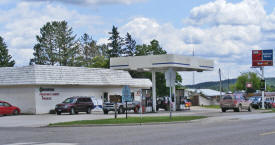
{"x":7,"y":109}
{"x":273,"y":104}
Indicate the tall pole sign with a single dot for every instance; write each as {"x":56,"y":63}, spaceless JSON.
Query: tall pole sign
{"x":262,"y":58}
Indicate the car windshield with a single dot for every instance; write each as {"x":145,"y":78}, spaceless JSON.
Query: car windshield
{"x":69,"y":100}
{"x":251,"y":98}
{"x":257,"y":98}
{"x":227,"y":97}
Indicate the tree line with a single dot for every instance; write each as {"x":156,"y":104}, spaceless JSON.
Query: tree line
{"x":57,"y":44}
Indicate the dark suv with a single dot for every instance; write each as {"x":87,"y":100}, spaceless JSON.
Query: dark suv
{"x":73,"y":105}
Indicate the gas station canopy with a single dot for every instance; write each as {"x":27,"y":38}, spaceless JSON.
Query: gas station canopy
{"x":162,"y":63}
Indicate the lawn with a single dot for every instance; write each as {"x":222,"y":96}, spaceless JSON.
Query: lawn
{"x":130,"y":120}
{"x":270,"y":111}
{"x":212,"y":106}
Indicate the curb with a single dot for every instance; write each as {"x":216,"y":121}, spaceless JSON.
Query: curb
{"x":128,"y":124}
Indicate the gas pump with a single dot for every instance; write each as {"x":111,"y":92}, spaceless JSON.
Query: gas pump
{"x":181,"y":100}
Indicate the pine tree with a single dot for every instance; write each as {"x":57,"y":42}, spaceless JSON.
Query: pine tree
{"x":5,"y":58}
{"x":130,"y":45}
{"x":56,"y":45}
{"x":115,"y":44}
{"x":89,"y":50}
{"x":39,"y":56}
{"x":66,"y":44}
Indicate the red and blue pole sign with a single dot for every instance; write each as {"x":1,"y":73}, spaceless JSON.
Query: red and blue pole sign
{"x":262,"y":58}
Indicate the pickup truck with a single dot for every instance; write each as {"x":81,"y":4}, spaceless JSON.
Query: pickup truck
{"x":121,"y":107}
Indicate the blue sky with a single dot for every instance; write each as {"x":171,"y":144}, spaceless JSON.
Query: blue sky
{"x":223,"y":30}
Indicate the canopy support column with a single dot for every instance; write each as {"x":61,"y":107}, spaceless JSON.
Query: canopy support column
{"x":154,"y":92}
{"x":175,"y":98}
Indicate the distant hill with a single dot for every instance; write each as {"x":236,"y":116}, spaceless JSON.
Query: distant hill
{"x":216,"y":84}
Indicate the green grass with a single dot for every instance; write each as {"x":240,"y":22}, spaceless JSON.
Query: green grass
{"x":130,"y":120}
{"x":270,"y":111}
{"x":212,"y":106}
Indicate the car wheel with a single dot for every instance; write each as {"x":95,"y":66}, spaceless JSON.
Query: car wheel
{"x":136,"y":110}
{"x":89,"y":110}
{"x":15,"y":112}
{"x":239,"y":108}
{"x":250,"y":108}
{"x":167,"y":108}
{"x":58,"y":113}
{"x":223,"y":110}
{"x":72,"y":111}
{"x":105,"y":111}
{"x":120,"y":110}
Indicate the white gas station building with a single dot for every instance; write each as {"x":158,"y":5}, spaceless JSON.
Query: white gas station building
{"x":161,"y":63}
{"x":37,"y":89}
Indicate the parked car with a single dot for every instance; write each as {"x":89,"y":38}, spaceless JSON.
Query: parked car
{"x":273,"y":104}
{"x":237,"y":102}
{"x":73,"y":105}
{"x":257,"y":102}
{"x":121,"y":105}
{"x":7,"y":109}
{"x":163,"y":103}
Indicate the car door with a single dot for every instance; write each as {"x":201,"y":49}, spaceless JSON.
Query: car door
{"x":245,"y":102}
{"x":1,"y":108}
{"x":79,"y":105}
{"x":7,"y":108}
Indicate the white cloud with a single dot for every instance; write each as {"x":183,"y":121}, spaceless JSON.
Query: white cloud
{"x":221,"y":12}
{"x":2,"y":2}
{"x":219,"y":30}
{"x":222,"y":31}
{"x":22,"y":23}
{"x":92,"y":2}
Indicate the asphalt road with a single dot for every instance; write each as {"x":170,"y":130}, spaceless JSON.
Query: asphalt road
{"x":237,"y":129}
{"x":45,"y":119}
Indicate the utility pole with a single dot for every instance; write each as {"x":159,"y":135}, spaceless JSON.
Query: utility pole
{"x":220,"y":83}
{"x":228,"y":82}
{"x":263,"y":99}
{"x":193,"y":71}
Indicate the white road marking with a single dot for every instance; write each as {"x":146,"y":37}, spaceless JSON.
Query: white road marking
{"x":267,"y":133}
{"x":36,"y":143}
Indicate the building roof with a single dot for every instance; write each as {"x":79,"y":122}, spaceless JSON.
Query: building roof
{"x":64,"y":75}
{"x":206,"y":92}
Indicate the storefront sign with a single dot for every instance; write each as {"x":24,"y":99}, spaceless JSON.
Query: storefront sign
{"x":46,"y":98}
{"x":47,"y":93}
{"x":45,"y":89}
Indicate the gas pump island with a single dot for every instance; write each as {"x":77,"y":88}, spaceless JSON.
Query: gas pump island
{"x":168,"y":64}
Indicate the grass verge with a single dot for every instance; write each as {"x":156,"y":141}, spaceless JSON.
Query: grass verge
{"x":130,"y":120}
{"x":270,"y":111}
{"x":212,"y":106}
